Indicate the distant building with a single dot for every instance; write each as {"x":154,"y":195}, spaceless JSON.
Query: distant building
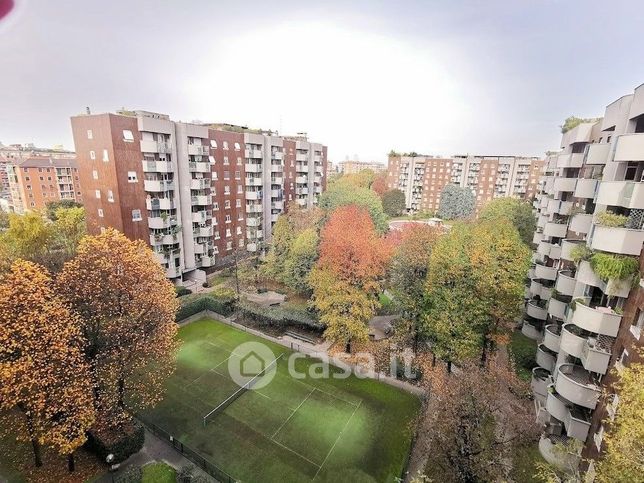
{"x":352,"y":167}
{"x":422,"y":178}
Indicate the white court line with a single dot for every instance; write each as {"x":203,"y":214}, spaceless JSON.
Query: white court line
{"x":337,"y":439}
{"x":294,"y":411}
{"x":328,"y":393}
{"x":298,"y":454}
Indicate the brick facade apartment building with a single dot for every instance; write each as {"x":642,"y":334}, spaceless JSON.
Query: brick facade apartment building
{"x":194,"y":192}
{"x":585,"y":325}
{"x":422,"y":178}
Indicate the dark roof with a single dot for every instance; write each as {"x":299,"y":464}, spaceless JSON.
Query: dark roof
{"x":45,"y":162}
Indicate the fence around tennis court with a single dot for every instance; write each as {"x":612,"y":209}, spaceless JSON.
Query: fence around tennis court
{"x":310,"y":351}
{"x":190,"y":454}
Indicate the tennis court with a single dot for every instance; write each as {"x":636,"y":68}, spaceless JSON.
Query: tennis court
{"x":290,"y":430}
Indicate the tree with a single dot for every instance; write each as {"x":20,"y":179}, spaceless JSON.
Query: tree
{"x":344,"y":194}
{"x":54,"y":206}
{"x":572,"y":122}
{"x":475,"y":423}
{"x":301,"y":259}
{"x":518,"y":212}
{"x":408,"y":271}
{"x":346,"y":280}
{"x":379,"y":184}
{"x":69,"y":229}
{"x":456,"y":202}
{"x":362,"y":179}
{"x":126,"y":308}
{"x":393,"y":202}
{"x":624,"y":441}
{"x":45,"y":388}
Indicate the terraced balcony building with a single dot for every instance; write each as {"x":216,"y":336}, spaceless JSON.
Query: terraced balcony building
{"x":586,"y":320}
{"x":195,"y":192}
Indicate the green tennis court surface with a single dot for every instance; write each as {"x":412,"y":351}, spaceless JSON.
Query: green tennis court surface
{"x":290,"y":430}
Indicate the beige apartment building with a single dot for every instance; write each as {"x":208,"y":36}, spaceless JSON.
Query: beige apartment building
{"x":352,"y":167}
{"x":587,"y":325}
{"x":422,"y":178}
{"x":195,"y":192}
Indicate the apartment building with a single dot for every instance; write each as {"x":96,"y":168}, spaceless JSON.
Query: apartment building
{"x":194,"y":192}
{"x":352,"y":167}
{"x":422,"y":178}
{"x":34,"y":182}
{"x":584,"y":322}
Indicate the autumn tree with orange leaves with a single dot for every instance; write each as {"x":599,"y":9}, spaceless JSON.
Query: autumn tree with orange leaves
{"x":347,"y":277}
{"x":126,"y":308}
{"x":45,"y":384}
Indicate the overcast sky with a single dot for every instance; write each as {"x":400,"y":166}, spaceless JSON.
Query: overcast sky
{"x":363,"y":77}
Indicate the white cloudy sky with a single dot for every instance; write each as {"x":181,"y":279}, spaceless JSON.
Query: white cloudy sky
{"x":363,"y":77}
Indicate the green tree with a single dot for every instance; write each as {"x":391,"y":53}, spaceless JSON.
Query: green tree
{"x":30,"y":237}
{"x":54,"y":206}
{"x":69,"y":228}
{"x":456,"y":202}
{"x":393,"y":202}
{"x":572,"y":122}
{"x":344,"y":194}
{"x":518,"y":212}
{"x":362,"y":179}
{"x":303,"y":255}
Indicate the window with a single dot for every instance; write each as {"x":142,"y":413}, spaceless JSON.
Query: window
{"x":241,"y":242}
{"x":226,"y":162}
{"x":92,"y":155}
{"x":237,"y":147}
{"x":214,"y":221}
{"x":239,"y":161}
{"x":98,"y":194}
{"x":239,"y":230}
{"x":110,"y":196}
{"x":237,"y":203}
{"x":213,"y":143}
{"x":226,"y":175}
{"x":105,"y":155}
{"x":90,"y":134}
{"x":215,"y":250}
{"x":27,"y":178}
{"x":33,"y":203}
{"x":94,"y":174}
{"x":228,"y":220}
{"x":131,"y":177}
{"x":619,"y":365}
{"x":127,"y":136}
{"x":638,"y":323}
{"x":598,"y":437}
{"x":215,"y":206}
{"x":237,"y":174}
{"x":611,"y":407}
{"x":211,"y":159}
{"x":226,"y":190}
{"x":228,"y":233}
{"x":100,"y":213}
{"x":240,"y":189}
{"x":229,"y":245}
{"x":217,"y":237}
{"x":225,"y":144}
{"x":227,"y":204}
{"x":136,"y":215}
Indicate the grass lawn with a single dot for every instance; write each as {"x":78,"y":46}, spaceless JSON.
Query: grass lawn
{"x":524,"y":461}
{"x":292,"y":430}
{"x":524,"y":351}
{"x":158,"y":473}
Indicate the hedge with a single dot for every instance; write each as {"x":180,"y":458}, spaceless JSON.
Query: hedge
{"x":182,"y":291}
{"x":194,"y":304}
{"x":122,"y":444}
{"x":279,"y":316}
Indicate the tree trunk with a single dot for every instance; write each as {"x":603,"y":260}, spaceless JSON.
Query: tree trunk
{"x":71,"y":466}
{"x":449,"y":367}
{"x":36,"y":447}
{"x":121,"y":389}
{"x":484,"y":351}
{"x":433,"y":360}
{"x":348,"y":347}
{"x":415,"y":341}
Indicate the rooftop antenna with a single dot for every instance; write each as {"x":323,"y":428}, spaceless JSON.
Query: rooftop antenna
{"x":87,"y":110}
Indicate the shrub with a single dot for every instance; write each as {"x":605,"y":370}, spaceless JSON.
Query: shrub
{"x":580,"y":252}
{"x":121,"y":443}
{"x":608,"y":218}
{"x":205,"y":285}
{"x":181,"y":290}
{"x":608,"y":266}
{"x":194,"y":304}
{"x":279,"y":316}
{"x":133,"y":474}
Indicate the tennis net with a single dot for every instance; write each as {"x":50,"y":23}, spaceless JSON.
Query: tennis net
{"x":230,"y":399}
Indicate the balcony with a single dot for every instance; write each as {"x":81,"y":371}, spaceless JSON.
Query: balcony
{"x":254,"y":181}
{"x":541,"y":288}
{"x":565,"y":184}
{"x":557,"y":306}
{"x":617,"y":288}
{"x":600,"y":320}
{"x":162,"y":239}
{"x":581,"y":222}
{"x":301,"y":179}
{"x":556,"y":405}
{"x":253,"y":221}
{"x":551,"y":337}
{"x":546,"y":358}
{"x":555,"y":252}
{"x":567,"y":247}
{"x":199,"y":183}
{"x":199,"y":167}
{"x":301,"y":201}
{"x":157,"y":186}
{"x":573,"y":339}
{"x":537,"y":310}
{"x":202,"y":231}
{"x":537,"y":237}
{"x":625,"y":241}
{"x":576,"y":385}
{"x":540,"y":381}
{"x":201,"y":200}
{"x":277,"y":155}
{"x":596,"y":352}
{"x":586,"y":188}
{"x":253,"y":195}
{"x":543,"y":219}
{"x":277,"y":180}
{"x":253,"y":167}
{"x":157,"y":166}
{"x":160,"y":204}
{"x":531,"y":328}
{"x":251,"y":247}
{"x":254,"y":208}
{"x":198,"y":150}
{"x":253,"y":153}
{"x":629,"y":194}
{"x":301,"y":168}
{"x":302,"y":191}
{"x":199,"y":248}
{"x":207,"y":261}
{"x":544,"y":248}
{"x":160,"y":222}
{"x":597,"y":153}
{"x":199,"y":216}
{"x":575,"y":420}
{"x":277,"y":205}
{"x":274,"y":217}
{"x":557,"y":230}
{"x":572,"y":160}
{"x":317,"y":179}
{"x":629,"y":147}
{"x":301,"y":157}
{"x":548,"y":449}
{"x":152,"y":146}
{"x":545,"y":273}
{"x":173,"y":272}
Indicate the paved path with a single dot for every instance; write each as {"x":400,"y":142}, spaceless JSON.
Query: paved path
{"x":154,"y":449}
{"x":380,"y":326}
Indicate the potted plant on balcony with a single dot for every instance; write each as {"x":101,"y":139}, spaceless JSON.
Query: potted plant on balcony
{"x":615,"y":270}
{"x":610,"y":219}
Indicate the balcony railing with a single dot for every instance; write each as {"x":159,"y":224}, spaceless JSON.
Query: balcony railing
{"x":629,"y":147}
{"x":596,"y":352}
{"x":157,"y":166}
{"x":546,"y":358}
{"x":629,"y":194}
{"x":581,"y":223}
{"x":567,"y":247}
{"x":551,"y":337}
{"x":600,"y":320}
{"x":557,"y":306}
{"x":537,"y":310}
{"x":565,"y":184}
{"x":557,"y":230}
{"x":586,"y":188}
{"x":532,"y":328}
{"x":576,"y":384}
{"x":597,"y":153}
{"x":625,"y":241}
{"x":540,"y":380}
{"x":544,"y":272}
